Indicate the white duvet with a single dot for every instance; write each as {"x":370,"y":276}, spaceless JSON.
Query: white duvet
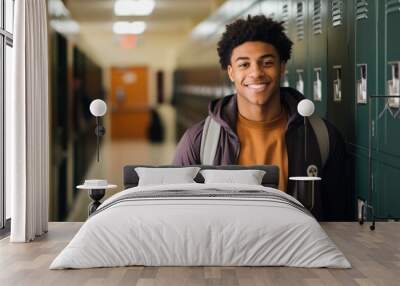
{"x":183,"y":231}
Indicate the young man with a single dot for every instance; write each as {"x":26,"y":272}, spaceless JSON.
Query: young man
{"x":260,"y":123}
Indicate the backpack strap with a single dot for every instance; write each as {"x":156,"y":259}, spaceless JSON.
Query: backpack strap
{"x":209,"y":141}
{"x":321,"y":132}
{"x":212,"y":129}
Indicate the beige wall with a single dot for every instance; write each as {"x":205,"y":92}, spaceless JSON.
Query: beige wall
{"x":158,"y":51}
{"x":194,"y":53}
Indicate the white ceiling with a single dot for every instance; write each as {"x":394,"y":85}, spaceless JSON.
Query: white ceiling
{"x":168,"y":15}
{"x":168,"y":28}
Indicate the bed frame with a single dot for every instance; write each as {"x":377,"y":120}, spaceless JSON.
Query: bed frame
{"x":270,"y":179}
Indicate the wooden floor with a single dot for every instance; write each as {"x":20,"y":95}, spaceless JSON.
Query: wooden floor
{"x":375,"y":257}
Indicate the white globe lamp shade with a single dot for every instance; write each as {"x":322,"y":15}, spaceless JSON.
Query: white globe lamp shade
{"x":98,"y":107}
{"x":306,"y":107}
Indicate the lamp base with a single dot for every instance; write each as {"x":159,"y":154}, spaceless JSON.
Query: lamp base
{"x":96,"y":195}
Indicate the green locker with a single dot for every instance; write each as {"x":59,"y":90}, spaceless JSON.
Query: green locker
{"x":299,"y":38}
{"x":340,"y":101}
{"x":317,"y":54}
{"x":365,"y":65}
{"x":366,"y":74}
{"x":387,"y":136}
{"x":286,"y":16}
{"x":386,"y":192}
{"x":388,"y":125}
{"x":361,"y":174}
{"x":340,"y":82}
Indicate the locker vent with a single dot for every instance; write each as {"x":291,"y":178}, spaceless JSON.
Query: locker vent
{"x":362,"y":9}
{"x":392,"y":6}
{"x":285,"y":16}
{"x":300,"y":21}
{"x":316,"y":18}
{"x":337,"y":12}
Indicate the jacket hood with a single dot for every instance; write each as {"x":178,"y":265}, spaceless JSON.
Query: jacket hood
{"x":224,"y":110}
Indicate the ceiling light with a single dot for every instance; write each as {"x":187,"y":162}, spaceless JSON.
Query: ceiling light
{"x":136,"y":27}
{"x":133,"y":7}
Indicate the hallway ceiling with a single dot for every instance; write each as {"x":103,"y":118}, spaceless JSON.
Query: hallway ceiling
{"x":168,"y":29}
{"x":168,"y":15}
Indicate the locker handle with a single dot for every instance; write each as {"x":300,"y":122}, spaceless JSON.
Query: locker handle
{"x":300,"y":81}
{"x":337,"y":84}
{"x":393,"y":84}
{"x":362,"y":84}
{"x":286,"y":79}
{"x":317,"y":87}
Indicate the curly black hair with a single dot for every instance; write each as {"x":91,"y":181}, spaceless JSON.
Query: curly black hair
{"x":254,"y":28}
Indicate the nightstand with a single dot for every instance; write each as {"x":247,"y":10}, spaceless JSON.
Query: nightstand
{"x":305,"y":190}
{"x":97,"y":190}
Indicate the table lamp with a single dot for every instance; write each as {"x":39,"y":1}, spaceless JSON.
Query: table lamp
{"x":98,"y":108}
{"x":97,"y":188}
{"x":304,"y":189}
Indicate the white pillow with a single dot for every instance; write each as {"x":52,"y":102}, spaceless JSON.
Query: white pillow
{"x":163,"y":176}
{"x":248,"y":177}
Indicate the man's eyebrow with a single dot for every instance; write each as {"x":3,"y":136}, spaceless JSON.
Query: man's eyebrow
{"x":241,"y":58}
{"x":268,"y":56}
{"x":262,"y":57}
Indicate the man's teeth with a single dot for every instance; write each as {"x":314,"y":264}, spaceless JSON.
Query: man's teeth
{"x":257,"y":86}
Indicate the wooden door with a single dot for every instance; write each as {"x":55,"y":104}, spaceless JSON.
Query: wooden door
{"x":129,"y":103}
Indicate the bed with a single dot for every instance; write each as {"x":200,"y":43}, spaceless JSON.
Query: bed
{"x":201,"y":224}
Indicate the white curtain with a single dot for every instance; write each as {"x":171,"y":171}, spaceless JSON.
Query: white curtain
{"x":27,"y":132}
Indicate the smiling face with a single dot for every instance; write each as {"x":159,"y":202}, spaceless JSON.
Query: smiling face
{"x":255,"y":69}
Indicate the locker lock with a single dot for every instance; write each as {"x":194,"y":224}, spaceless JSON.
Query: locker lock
{"x":300,"y":81}
{"x":337,"y":84}
{"x":362,"y":84}
{"x":393,"y":85}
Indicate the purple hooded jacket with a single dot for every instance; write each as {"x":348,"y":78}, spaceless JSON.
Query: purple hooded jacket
{"x":333,"y":198}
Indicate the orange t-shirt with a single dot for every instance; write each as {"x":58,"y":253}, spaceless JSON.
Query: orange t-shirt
{"x":263,"y":143}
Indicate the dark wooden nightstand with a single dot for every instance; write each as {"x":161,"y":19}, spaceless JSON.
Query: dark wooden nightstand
{"x":96,"y":193}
